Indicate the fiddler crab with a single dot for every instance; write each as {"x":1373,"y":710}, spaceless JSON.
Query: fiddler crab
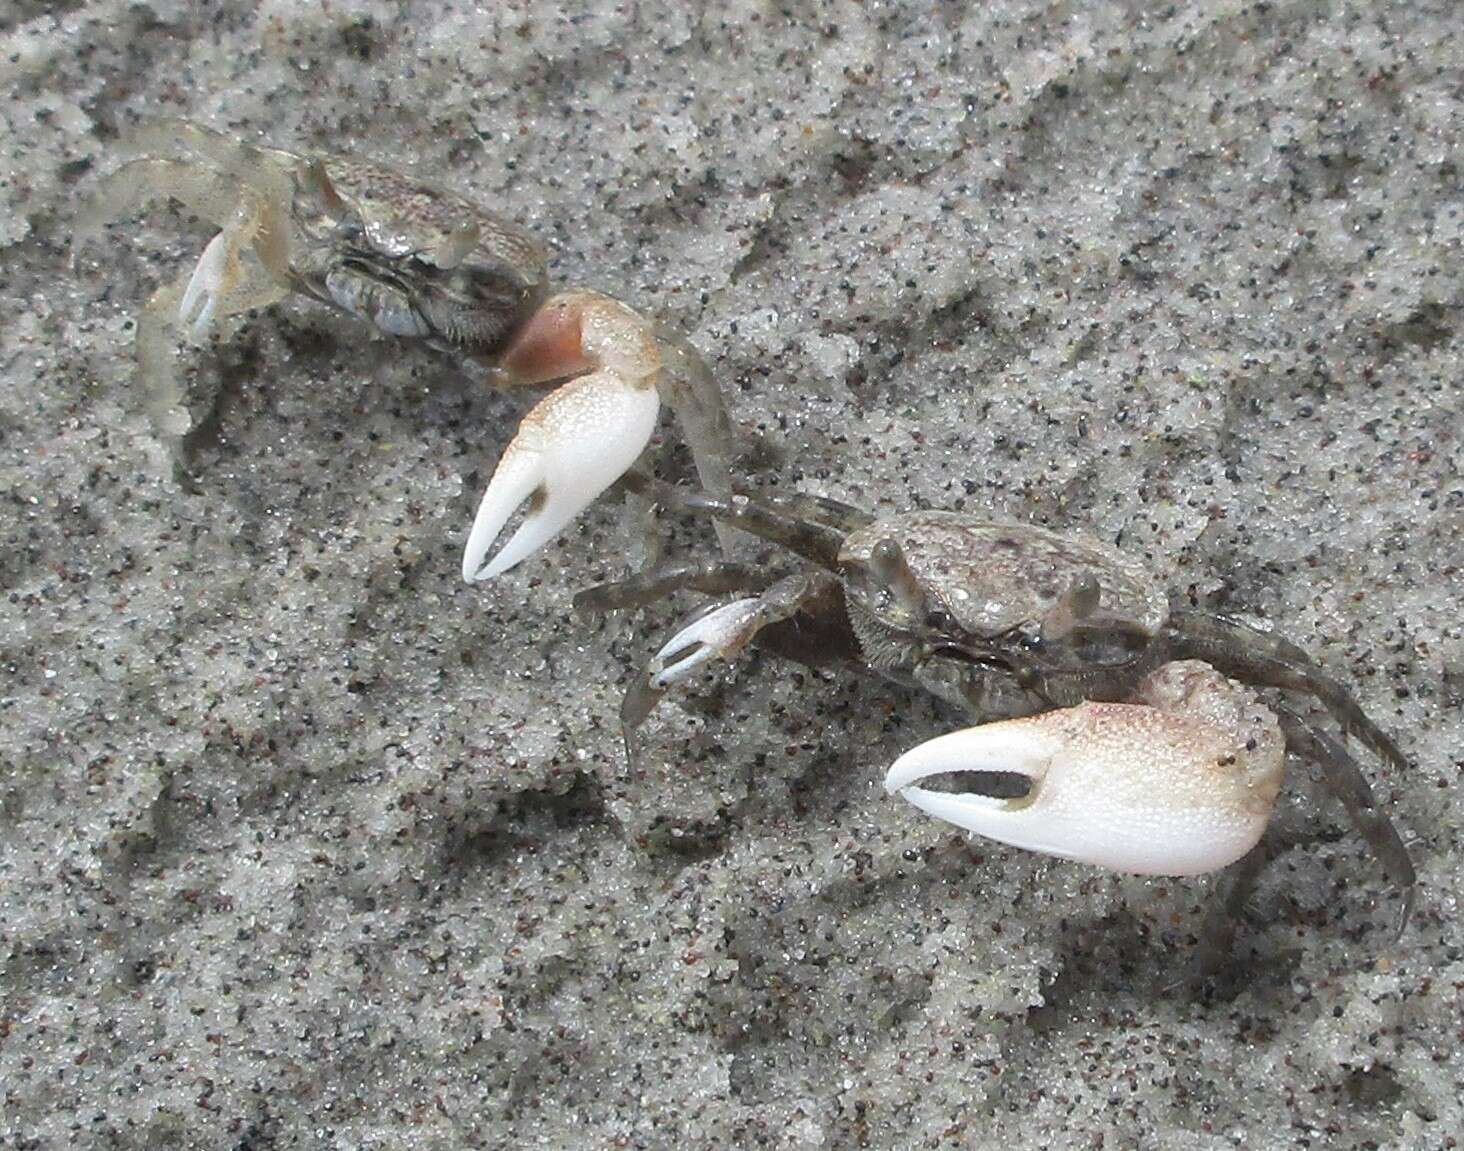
{"x":416,"y":261}
{"x":1112,"y":732}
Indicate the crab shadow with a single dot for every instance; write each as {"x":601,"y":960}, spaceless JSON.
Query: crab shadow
{"x":1122,"y":957}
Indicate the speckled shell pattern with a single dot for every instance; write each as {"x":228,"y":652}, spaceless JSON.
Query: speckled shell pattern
{"x":403,"y":216}
{"x":994,"y":575}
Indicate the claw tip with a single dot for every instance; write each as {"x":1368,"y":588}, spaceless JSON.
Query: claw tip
{"x":573,"y":445}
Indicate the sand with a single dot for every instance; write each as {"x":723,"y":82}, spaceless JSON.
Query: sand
{"x":306,"y":843}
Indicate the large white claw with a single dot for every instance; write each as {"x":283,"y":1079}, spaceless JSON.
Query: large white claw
{"x":1125,"y":786}
{"x":580,"y":438}
{"x":573,"y":444}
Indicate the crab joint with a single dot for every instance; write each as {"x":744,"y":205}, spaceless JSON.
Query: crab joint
{"x":577,"y":440}
{"x":1125,"y":786}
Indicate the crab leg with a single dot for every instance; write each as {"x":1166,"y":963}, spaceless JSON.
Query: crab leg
{"x":1265,"y":658}
{"x":1345,"y":780}
{"x":578,"y":439}
{"x":1179,"y":783}
{"x":657,"y":583}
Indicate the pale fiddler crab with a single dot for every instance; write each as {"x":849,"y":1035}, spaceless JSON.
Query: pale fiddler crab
{"x":1124,"y":745}
{"x":419,"y":262}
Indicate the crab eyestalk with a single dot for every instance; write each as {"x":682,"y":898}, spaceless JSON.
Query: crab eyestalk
{"x":887,"y":562}
{"x":1076,"y":604}
{"x":1180,"y":783}
{"x":581,"y":437}
{"x":457,"y":245}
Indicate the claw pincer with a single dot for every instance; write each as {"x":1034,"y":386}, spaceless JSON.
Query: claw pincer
{"x":1179,"y":784}
{"x":580,"y":438}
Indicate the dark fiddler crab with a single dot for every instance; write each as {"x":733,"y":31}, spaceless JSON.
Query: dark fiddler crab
{"x":420,"y":262}
{"x":1125,"y":744}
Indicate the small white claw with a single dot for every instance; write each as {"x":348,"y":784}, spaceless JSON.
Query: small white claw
{"x":200,"y":299}
{"x":720,"y":633}
{"x":1125,"y":786}
{"x":573,"y":444}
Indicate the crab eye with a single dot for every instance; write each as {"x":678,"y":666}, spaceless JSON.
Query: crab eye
{"x":1071,"y":609}
{"x":456,"y":246}
{"x":887,"y":562}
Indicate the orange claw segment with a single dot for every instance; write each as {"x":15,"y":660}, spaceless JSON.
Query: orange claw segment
{"x":579,"y":439}
{"x":551,"y":345}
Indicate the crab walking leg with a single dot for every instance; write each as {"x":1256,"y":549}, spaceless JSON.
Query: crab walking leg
{"x":245,"y":266}
{"x":1180,"y":783}
{"x":657,"y":583}
{"x":244,"y":193}
{"x":164,"y":397}
{"x":1344,"y":779}
{"x":823,"y":510}
{"x":1265,"y":658}
{"x":223,"y":283}
{"x":692,"y":394}
{"x":205,"y":193}
{"x":580,"y":438}
{"x":1216,"y":935}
